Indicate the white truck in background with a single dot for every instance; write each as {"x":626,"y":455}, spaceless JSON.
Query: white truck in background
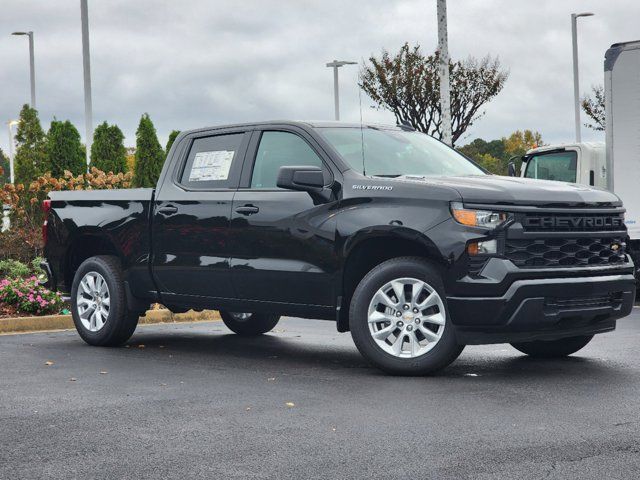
{"x":615,"y":163}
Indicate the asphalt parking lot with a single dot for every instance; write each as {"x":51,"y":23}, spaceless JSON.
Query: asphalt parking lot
{"x":194,"y":401}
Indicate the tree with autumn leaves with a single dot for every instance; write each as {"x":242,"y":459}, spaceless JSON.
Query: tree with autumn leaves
{"x":407,"y":84}
{"x":593,"y":107}
{"x":496,"y":154}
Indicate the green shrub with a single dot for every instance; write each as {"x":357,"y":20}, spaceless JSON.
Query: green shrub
{"x":27,"y":295}
{"x":35,"y":267}
{"x":13,"y":269}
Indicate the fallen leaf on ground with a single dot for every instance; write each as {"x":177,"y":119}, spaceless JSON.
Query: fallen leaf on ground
{"x":248,"y":408}
{"x":103,"y":372}
{"x":72,"y":379}
{"x":271,"y":379}
{"x":290,"y":404}
{"x":163,"y":384}
{"x":48,"y":363}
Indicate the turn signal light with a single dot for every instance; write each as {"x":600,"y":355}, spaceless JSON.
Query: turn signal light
{"x":488,"y":247}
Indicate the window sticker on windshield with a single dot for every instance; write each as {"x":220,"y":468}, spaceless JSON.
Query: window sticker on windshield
{"x":209,"y":166}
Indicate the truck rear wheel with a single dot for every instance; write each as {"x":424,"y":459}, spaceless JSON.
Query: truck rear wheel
{"x":99,"y":304}
{"x":553,"y":348}
{"x":399,"y":319}
{"x":249,"y":324}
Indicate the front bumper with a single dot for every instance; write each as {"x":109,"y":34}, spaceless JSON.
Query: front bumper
{"x":544,"y":309}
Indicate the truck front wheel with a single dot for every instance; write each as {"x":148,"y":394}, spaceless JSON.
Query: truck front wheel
{"x":99,"y":304}
{"x":399,"y":319}
{"x":553,"y":348}
{"x":249,"y":324}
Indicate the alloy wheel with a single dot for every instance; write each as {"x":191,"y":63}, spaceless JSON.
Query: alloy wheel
{"x":93,"y":301}
{"x":406,"y":317}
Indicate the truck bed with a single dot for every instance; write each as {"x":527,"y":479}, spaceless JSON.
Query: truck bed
{"x":122,"y":222}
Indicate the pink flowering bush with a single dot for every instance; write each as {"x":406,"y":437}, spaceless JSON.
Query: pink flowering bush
{"x":29,"y":296}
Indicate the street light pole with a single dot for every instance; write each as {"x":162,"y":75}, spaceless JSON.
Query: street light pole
{"x":32,"y":68}
{"x":86,"y":65}
{"x":443,"y":70}
{"x":336,"y":95}
{"x":576,"y":81}
{"x":10,"y":124}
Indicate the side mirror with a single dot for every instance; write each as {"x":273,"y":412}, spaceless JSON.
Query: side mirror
{"x":511,"y":167}
{"x":306,"y":179}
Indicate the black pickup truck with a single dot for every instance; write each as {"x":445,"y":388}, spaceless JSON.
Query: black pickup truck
{"x":390,"y":233}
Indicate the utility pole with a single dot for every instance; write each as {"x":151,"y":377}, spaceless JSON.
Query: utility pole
{"x":576,"y":81}
{"x":336,"y":94}
{"x":32,"y":67}
{"x":445,"y":95}
{"x":86,"y":65}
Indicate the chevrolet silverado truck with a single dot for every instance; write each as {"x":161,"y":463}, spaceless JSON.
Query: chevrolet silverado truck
{"x":396,"y":237}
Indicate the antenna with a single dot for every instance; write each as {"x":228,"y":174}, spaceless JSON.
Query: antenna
{"x":364,"y":170}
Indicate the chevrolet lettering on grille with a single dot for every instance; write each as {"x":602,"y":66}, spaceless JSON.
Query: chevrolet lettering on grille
{"x":573,"y":222}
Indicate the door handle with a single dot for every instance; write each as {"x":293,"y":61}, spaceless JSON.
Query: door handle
{"x":168,"y":209}
{"x":247,"y":210}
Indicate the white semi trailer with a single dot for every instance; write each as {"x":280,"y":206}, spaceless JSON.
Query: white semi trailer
{"x":614,"y":164}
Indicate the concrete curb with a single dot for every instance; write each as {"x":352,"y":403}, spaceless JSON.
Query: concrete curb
{"x":64,"y":322}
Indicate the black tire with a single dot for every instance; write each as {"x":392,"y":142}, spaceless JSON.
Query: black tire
{"x":445,"y":351}
{"x":120,"y":322}
{"x":254,"y":324}
{"x":553,"y":348}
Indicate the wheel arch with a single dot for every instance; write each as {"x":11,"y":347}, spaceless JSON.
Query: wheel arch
{"x":370,"y":247}
{"x":84,"y":245}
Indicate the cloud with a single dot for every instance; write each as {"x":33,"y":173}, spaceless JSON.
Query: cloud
{"x":196,"y":62}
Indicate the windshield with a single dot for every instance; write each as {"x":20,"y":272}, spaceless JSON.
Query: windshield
{"x":559,"y":166}
{"x":396,"y":152}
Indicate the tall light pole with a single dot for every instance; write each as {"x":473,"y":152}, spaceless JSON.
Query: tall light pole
{"x":31,"y":66}
{"x":86,"y":65}
{"x":576,"y":82}
{"x":336,"y":96}
{"x":10,"y":124}
{"x":443,"y":70}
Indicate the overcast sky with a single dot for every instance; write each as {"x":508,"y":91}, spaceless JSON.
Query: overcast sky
{"x":196,"y":62}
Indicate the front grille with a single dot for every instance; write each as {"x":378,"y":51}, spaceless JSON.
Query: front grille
{"x":571,"y":222}
{"x":565,"y":252}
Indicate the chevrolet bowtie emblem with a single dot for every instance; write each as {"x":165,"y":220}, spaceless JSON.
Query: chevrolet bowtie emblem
{"x":615,"y":247}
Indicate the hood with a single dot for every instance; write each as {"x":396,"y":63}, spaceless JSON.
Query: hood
{"x":495,"y":189}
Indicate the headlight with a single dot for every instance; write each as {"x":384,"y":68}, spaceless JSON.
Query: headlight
{"x":477,"y":218}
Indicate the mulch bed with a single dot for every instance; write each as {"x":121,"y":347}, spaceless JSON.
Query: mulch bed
{"x":10,"y":311}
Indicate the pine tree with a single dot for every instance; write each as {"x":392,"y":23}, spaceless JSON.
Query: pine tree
{"x":172,"y":138}
{"x":64,"y":148}
{"x":107,"y":150}
{"x":5,"y":174}
{"x":31,"y":157}
{"x":149,"y":154}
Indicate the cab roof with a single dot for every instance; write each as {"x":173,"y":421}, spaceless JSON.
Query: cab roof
{"x":303,"y":124}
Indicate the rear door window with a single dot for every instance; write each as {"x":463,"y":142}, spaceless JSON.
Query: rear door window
{"x":214,"y":162}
